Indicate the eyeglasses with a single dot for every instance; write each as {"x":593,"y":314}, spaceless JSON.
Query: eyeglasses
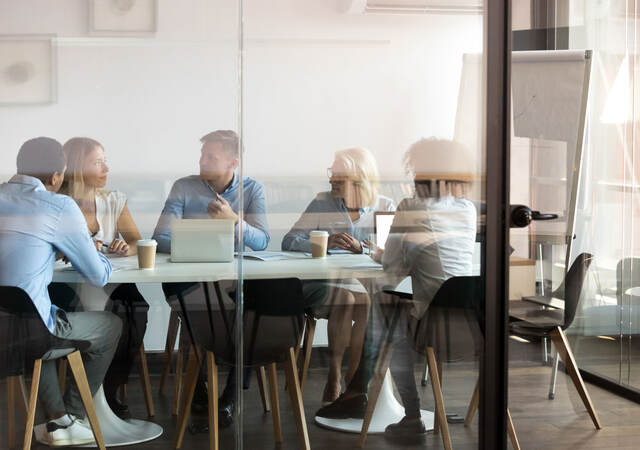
{"x":339,"y":176}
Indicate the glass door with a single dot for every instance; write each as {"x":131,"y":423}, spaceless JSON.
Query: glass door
{"x":376,"y":131}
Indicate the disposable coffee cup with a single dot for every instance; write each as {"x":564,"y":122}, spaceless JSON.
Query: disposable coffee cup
{"x":147,"y":253}
{"x":319,"y":240}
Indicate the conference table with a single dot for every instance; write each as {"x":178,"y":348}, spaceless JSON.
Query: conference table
{"x":117,"y":432}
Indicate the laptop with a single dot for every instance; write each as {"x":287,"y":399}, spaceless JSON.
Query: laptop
{"x":382,"y":221}
{"x":202,"y":240}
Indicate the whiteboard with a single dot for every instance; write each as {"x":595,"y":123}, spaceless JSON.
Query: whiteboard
{"x":549,"y":92}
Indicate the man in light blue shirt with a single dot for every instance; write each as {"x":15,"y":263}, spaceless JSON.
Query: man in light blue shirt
{"x":215,"y":194}
{"x":36,"y":224}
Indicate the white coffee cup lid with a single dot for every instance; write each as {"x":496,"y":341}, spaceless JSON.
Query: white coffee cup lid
{"x":319,"y":233}
{"x":147,"y":243}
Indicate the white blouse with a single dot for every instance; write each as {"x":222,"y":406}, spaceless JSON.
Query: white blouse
{"x":109,"y":206}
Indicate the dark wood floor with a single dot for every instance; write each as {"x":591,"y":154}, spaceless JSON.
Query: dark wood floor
{"x":540,"y":423}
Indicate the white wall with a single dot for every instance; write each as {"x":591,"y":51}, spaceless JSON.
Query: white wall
{"x":315,"y":81}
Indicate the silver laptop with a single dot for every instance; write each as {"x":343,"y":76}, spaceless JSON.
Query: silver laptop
{"x":202,"y":240}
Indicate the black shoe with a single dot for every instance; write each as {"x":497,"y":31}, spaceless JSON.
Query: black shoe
{"x":226,"y":408}
{"x":350,"y":408}
{"x":120,"y":409}
{"x":406,"y":428}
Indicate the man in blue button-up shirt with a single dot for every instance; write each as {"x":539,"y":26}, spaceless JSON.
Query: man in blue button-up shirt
{"x":36,"y":224}
{"x":215,"y":194}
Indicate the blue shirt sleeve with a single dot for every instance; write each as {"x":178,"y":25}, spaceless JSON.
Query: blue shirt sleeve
{"x":72,"y":238}
{"x":173,"y":209}
{"x":297,"y":239}
{"x":254,"y":225}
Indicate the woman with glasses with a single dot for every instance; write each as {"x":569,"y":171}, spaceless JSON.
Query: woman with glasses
{"x":346,"y":212}
{"x":114,"y":232}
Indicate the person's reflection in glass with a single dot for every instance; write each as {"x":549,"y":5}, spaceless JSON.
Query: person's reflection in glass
{"x":431,"y":239}
{"x":346,"y":213}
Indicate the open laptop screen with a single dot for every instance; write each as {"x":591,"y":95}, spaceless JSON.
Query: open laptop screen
{"x":382,"y":224}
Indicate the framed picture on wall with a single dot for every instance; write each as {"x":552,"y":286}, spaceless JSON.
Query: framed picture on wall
{"x":123,"y":17}
{"x":27,"y":70}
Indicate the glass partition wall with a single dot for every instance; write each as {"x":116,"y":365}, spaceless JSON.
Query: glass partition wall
{"x":607,"y":326}
{"x":349,"y":113}
{"x":315,"y":178}
{"x":589,"y":289}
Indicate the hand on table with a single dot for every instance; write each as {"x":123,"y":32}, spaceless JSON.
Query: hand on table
{"x":98,"y":245}
{"x":374,"y":251}
{"x":220,"y":209}
{"x":345,"y":242}
{"x":119,"y":247}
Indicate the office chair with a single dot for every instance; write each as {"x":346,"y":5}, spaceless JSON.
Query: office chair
{"x":25,"y":337}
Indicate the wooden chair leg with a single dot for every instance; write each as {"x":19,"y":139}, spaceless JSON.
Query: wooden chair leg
{"x":177,"y":388}
{"x":296,"y":352}
{"x":512,"y":432}
{"x":374,"y":388}
{"x":11,"y":405}
{"x":62,"y":374}
{"x":436,"y":418}
{"x":275,"y":403}
{"x":262,"y":385}
{"x":437,"y":394}
{"x":295,"y":395}
{"x":564,"y":350}
{"x":77,"y":368}
{"x":23,"y":397}
{"x":172,"y":334}
{"x":212,"y":378}
{"x":193,"y":368}
{"x":306,"y":350}
{"x":473,"y":405}
{"x":146,"y":382}
{"x":33,"y":397}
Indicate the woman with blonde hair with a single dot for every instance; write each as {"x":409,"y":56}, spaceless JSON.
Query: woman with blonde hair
{"x":114,"y":232}
{"x":346,"y":213}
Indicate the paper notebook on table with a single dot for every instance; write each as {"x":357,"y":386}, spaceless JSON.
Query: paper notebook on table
{"x":266,"y":255}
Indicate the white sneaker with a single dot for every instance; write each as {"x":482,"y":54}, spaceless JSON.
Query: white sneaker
{"x":77,"y":433}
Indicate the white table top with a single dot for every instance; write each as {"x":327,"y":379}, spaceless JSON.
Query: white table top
{"x":299,"y":266}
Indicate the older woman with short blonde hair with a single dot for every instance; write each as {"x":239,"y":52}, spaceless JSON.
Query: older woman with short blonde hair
{"x":346,"y":213}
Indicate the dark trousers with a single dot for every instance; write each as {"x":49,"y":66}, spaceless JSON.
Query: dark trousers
{"x":131,"y":307}
{"x":402,"y":361}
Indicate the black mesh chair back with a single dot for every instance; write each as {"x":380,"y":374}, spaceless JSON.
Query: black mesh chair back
{"x":572,"y":286}
{"x":23,"y":334}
